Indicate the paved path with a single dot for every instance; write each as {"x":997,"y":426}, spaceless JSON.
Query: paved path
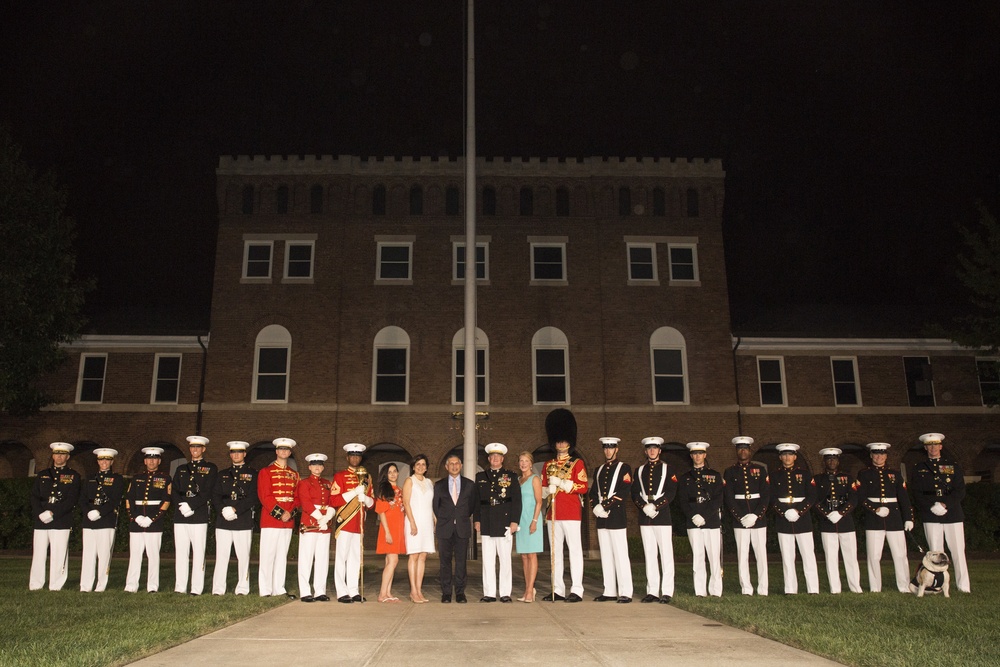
{"x":586,"y":633}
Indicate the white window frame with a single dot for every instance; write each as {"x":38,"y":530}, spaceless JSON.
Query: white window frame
{"x":390,"y":243}
{"x":81,"y":378}
{"x":548,"y":242}
{"x":246,"y":260}
{"x":857,"y":382}
{"x":549,"y":338}
{"x":312,"y":260}
{"x":156,"y":378}
{"x":390,"y":338}
{"x":655,"y":280}
{"x":455,"y":246}
{"x":979,"y":379}
{"x":273,"y":336}
{"x":693,"y":247}
{"x":784,"y":385}
{"x":457,"y":345}
{"x":668,"y":339}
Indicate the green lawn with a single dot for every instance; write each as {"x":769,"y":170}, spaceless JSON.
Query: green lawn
{"x":68,"y":627}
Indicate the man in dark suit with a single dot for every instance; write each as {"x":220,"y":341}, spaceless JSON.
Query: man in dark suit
{"x":454,"y":501}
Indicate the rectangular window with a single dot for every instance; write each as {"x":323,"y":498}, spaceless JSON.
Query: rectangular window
{"x":394,"y":261}
{"x":166,"y":378}
{"x":548,"y":261}
{"x":668,"y":376}
{"x":257,"y":259}
{"x":845,"y":381}
{"x":989,"y":380}
{"x":683,"y":262}
{"x":771,"y":374}
{"x":390,"y":375}
{"x":299,"y":259}
{"x":91,"y":383}
{"x":550,"y":375}
{"x":642,"y":262}
{"x":272,"y":374}
{"x":482,"y":264}
{"x":919,"y":381}
{"x":459,"y":393}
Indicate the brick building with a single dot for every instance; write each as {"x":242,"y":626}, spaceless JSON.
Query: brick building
{"x":337,"y":316}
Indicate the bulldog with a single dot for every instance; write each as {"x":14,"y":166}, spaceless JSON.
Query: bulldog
{"x":932,"y":575}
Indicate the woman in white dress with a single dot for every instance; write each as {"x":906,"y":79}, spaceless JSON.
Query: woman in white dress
{"x":418,"y":496}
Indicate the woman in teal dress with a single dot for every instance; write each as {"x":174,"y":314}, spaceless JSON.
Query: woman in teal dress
{"x":528,"y":538}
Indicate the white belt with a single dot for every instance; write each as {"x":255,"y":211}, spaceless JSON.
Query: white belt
{"x":148,"y":502}
{"x":881,"y":500}
{"x":790,"y":500}
{"x":748,"y":496}
{"x":284,"y":499}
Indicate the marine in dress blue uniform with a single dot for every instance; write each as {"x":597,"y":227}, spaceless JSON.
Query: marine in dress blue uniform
{"x":192,"y":496}
{"x":100,"y":501}
{"x":609,"y":492}
{"x":886,"y":504}
{"x":836,"y":500}
{"x":147,"y":501}
{"x":700,"y":497}
{"x":234,"y":495}
{"x":495,"y":517}
{"x":54,"y":495}
{"x":793,"y":493}
{"x":747,"y":491}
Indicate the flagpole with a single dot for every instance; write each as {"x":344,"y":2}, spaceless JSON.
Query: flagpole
{"x":469,"y":449}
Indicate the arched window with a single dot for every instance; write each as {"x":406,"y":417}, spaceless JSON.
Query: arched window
{"x":281,"y":199}
{"x":316,"y":199}
{"x":391,"y":366}
{"x":550,"y":366}
{"x":668,"y":361}
{"x":416,"y":200}
{"x":452,"y":201}
{"x":247,"y":199}
{"x":378,"y":200}
{"x":692,"y":203}
{"x":527,"y":201}
{"x":272,"y":358}
{"x":482,"y":367}
{"x":489,"y":200}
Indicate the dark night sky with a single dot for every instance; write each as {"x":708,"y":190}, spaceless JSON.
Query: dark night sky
{"x":855,"y":135}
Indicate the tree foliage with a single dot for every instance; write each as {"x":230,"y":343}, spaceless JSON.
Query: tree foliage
{"x":40,"y":297}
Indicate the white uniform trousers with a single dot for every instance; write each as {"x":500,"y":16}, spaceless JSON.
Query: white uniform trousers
{"x":787,"y":542}
{"x":55,"y":545}
{"x":347,"y":567}
{"x":954,"y":533}
{"x":706,"y":542}
{"x":615,"y":563}
{"x":97,"y":544}
{"x":493,"y":548}
{"x":273,"y":560}
{"x":189,"y":540}
{"x":314,"y":557}
{"x":757,"y":538}
{"x":874,"y":541}
{"x":657,"y":541}
{"x":227,"y":541}
{"x":139,"y":543}
{"x":568,"y":532}
{"x":835,"y":544}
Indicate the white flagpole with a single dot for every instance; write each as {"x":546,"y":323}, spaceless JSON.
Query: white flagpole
{"x":469,"y":449}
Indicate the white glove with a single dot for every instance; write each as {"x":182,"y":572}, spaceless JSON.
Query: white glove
{"x":600,"y":512}
{"x":144,"y":521}
{"x":506,"y":533}
{"x":367,"y":500}
{"x":748,"y":520}
{"x":93,"y":515}
{"x":882,"y":512}
{"x":792,"y":515}
{"x":938,"y":509}
{"x":229,"y":513}
{"x":834,"y":516}
{"x":324,"y":525}
{"x":552,"y":487}
{"x":316,"y":514}
{"x":907,"y":526}
{"x":350,"y":494}
{"x":46,"y":517}
{"x":327,"y":515}
{"x":649,"y":510}
{"x":185,"y":509}
{"x":698,"y":520}
{"x":566,"y":485}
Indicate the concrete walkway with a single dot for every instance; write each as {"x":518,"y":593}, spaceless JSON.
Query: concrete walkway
{"x":586,"y":633}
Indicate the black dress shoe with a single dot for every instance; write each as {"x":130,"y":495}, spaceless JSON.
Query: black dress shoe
{"x":322,"y":598}
{"x":624,"y":600}
{"x":573,"y":597}
{"x":446,"y":598}
{"x":650,"y":598}
{"x":306,"y":598}
{"x":290,"y":596}
{"x":487,"y":599}
{"x":358,"y":598}
{"x":506,"y":598}
{"x":605,"y":598}
{"x":665,"y":599}
{"x":346,"y":599}
{"x":555,"y":597}
{"x":460,"y":598}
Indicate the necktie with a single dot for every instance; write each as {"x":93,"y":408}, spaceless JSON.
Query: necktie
{"x":454,"y":490}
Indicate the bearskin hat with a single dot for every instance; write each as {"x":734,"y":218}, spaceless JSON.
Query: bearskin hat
{"x":560,"y":424}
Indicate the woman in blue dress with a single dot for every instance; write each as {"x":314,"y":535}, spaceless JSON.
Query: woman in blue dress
{"x":529,"y":532}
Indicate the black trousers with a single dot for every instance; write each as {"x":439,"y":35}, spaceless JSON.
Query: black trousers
{"x":455,"y":549}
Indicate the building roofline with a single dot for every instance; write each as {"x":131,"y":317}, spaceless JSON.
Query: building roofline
{"x":801,"y":344}
{"x":96,"y":341}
